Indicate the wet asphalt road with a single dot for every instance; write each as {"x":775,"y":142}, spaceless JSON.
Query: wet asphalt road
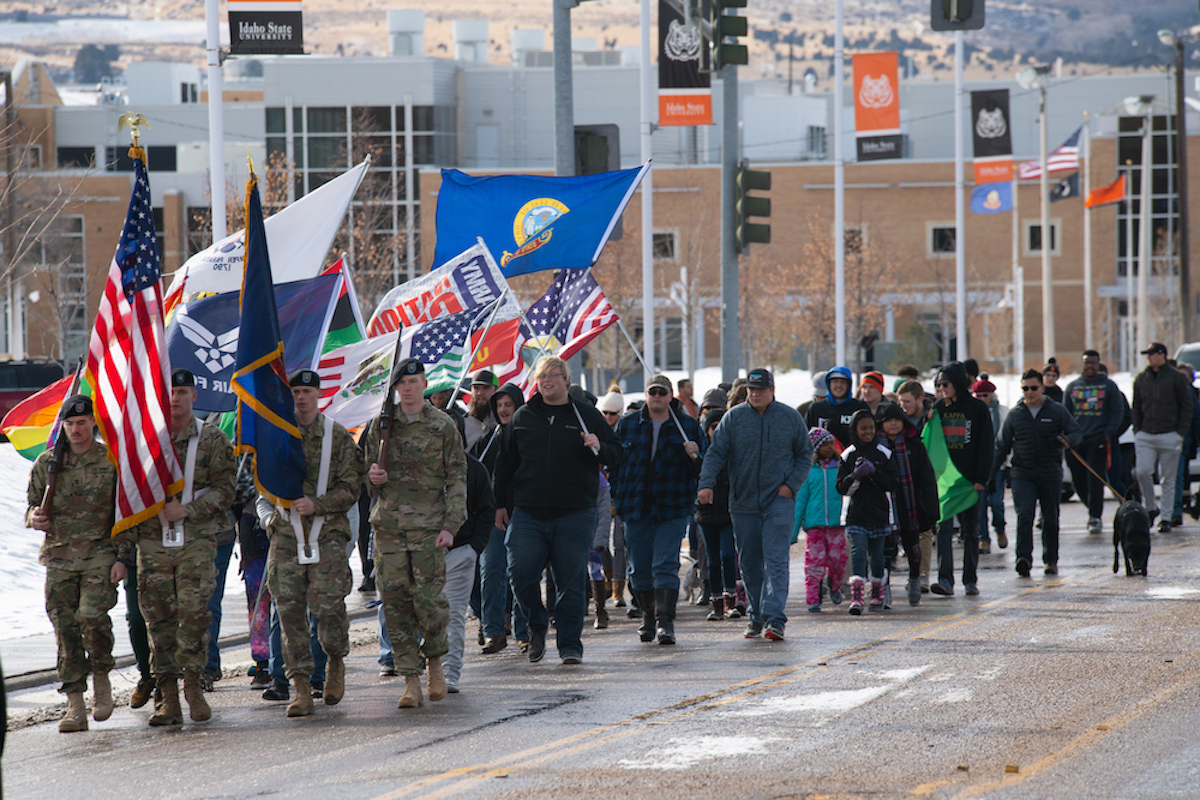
{"x":1080,"y":685}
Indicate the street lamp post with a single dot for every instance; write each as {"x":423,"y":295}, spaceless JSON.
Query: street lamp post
{"x":1143,"y":105}
{"x":1174,"y":40}
{"x":1030,"y":78}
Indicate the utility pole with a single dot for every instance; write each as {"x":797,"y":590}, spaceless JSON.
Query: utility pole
{"x":731,"y":345}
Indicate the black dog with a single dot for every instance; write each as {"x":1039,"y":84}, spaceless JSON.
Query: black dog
{"x":1131,"y":533}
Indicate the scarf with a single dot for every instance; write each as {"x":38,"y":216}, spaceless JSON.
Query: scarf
{"x":906,"y":490}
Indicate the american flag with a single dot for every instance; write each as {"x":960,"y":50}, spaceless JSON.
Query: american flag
{"x":127,"y":367}
{"x":574,"y":311}
{"x":1064,"y":157}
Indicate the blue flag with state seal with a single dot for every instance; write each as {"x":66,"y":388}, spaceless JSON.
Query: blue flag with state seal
{"x":532,"y":222}
{"x":266,"y":423}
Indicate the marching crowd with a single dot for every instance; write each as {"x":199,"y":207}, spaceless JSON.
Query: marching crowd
{"x":525,"y":510}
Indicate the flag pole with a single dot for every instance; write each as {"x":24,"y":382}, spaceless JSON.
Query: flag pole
{"x":1087,"y":232}
{"x":646,"y":367}
{"x":475,"y":351}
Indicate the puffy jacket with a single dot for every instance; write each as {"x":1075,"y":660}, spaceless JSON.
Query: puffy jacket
{"x":870,"y":502}
{"x":1036,"y":451}
{"x":818,"y":503}
{"x":1162,"y":401}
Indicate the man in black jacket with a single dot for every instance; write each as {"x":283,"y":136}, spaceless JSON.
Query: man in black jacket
{"x":548,"y":472}
{"x":970,"y":439}
{"x":1092,"y":399}
{"x":1033,"y":433}
{"x":1162,"y":415}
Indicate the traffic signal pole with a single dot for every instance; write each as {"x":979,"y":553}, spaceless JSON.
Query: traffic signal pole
{"x":731,"y":347}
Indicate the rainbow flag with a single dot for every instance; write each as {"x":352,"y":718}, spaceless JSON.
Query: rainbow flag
{"x":31,"y":422}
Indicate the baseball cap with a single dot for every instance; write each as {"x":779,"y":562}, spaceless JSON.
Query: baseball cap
{"x":485,"y":377}
{"x":660,"y":380}
{"x":1155,"y":348}
{"x":759,"y":378}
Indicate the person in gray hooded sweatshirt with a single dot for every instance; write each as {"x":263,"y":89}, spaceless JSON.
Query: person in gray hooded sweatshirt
{"x":766,"y":447}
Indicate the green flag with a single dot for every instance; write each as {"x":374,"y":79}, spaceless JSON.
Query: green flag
{"x":955,"y":493}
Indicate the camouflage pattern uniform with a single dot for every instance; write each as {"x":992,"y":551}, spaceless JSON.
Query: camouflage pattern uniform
{"x":78,"y":553}
{"x":321,"y":587}
{"x":175,"y":583}
{"x":425,"y":493}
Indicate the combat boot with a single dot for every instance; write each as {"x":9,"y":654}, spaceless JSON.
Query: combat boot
{"x":412,"y":693}
{"x":646,"y":603}
{"x":436,"y":679}
{"x":102,"y":705}
{"x":335,"y":681}
{"x":193,"y":692}
{"x":618,"y":590}
{"x":76,"y":716}
{"x":302,"y":706}
{"x":664,"y":608}
{"x":169,"y":712}
{"x":601,"y":612}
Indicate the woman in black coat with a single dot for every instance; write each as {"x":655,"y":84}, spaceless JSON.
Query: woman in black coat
{"x":867,"y":476}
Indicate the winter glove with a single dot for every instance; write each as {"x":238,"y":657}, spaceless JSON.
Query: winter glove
{"x":863,"y":469}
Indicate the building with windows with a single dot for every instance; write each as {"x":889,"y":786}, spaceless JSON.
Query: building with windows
{"x":414,"y":114}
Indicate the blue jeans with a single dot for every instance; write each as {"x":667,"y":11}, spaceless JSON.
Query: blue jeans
{"x":1026,"y":495}
{"x":562,"y":543}
{"x":968,"y":520}
{"x":276,"y":665}
{"x":653,"y":551}
{"x":994,"y":502}
{"x":224,"y":553}
{"x":494,"y":591}
{"x":866,"y":551}
{"x":763,"y":541}
{"x":722,"y":558}
{"x":1181,"y":476}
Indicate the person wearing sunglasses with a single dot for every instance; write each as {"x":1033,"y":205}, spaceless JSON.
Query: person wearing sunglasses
{"x":653,"y":491}
{"x":967,"y":429}
{"x":1033,"y":432}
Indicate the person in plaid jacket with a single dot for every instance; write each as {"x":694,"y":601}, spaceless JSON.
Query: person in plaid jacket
{"x":654,"y":489}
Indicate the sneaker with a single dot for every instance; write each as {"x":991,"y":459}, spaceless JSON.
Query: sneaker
{"x":972,"y":590}
{"x":925,"y":585}
{"x":814,"y":608}
{"x":737,"y":612}
{"x":1177,"y":521}
{"x":1095,"y":526}
{"x":571,"y":659}
{"x":774,"y":633}
{"x":387,"y":671}
{"x":278,"y":691}
{"x":985,"y":547}
{"x":1001,"y":539}
{"x":1051,"y":569}
{"x":206,"y":682}
{"x":835,"y":596}
{"x":261,"y":680}
{"x":942,"y":588}
{"x":318,"y":689}
{"x":452,"y":688}
{"x":1023,"y":566}
{"x":914,"y":593}
{"x":1164,"y":527}
{"x":754,"y":630}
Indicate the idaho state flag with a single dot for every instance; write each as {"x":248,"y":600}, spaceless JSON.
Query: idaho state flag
{"x":266,"y":418}
{"x":531,"y":222}
{"x":992,"y":198}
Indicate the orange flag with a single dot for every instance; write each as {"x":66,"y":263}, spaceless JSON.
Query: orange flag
{"x":1113,"y":193}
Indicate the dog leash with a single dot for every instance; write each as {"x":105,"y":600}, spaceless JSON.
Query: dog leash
{"x":1088,"y":467}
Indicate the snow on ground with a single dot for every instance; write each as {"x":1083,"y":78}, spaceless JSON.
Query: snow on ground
{"x":22,"y":610}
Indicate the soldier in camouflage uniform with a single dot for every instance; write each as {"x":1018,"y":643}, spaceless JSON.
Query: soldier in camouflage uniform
{"x":175,"y":583}
{"x":83,"y":560}
{"x":321,"y":587}
{"x":421,"y":493}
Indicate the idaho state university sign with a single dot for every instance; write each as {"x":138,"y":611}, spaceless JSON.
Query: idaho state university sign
{"x":265,"y":27}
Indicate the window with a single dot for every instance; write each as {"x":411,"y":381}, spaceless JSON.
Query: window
{"x":816,"y":141}
{"x":76,"y":157}
{"x":1033,"y":238}
{"x":116,"y":159}
{"x":664,"y":246}
{"x":160,"y":228}
{"x":29,"y":158}
{"x":854,"y":240}
{"x":276,"y":120}
{"x":326,"y":120}
{"x":62,"y":244}
{"x":199,"y":228}
{"x":942,"y":240}
{"x":161,"y":158}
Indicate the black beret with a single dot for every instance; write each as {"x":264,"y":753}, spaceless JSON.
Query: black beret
{"x":181,"y":377}
{"x":77,"y":405}
{"x":306,"y":377}
{"x":409,"y":366}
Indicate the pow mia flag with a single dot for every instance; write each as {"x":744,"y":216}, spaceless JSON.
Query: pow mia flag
{"x":1065,"y":189}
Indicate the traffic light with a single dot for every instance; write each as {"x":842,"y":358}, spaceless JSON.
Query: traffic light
{"x":728,"y":26}
{"x":746,"y":232}
{"x":956,"y":15}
